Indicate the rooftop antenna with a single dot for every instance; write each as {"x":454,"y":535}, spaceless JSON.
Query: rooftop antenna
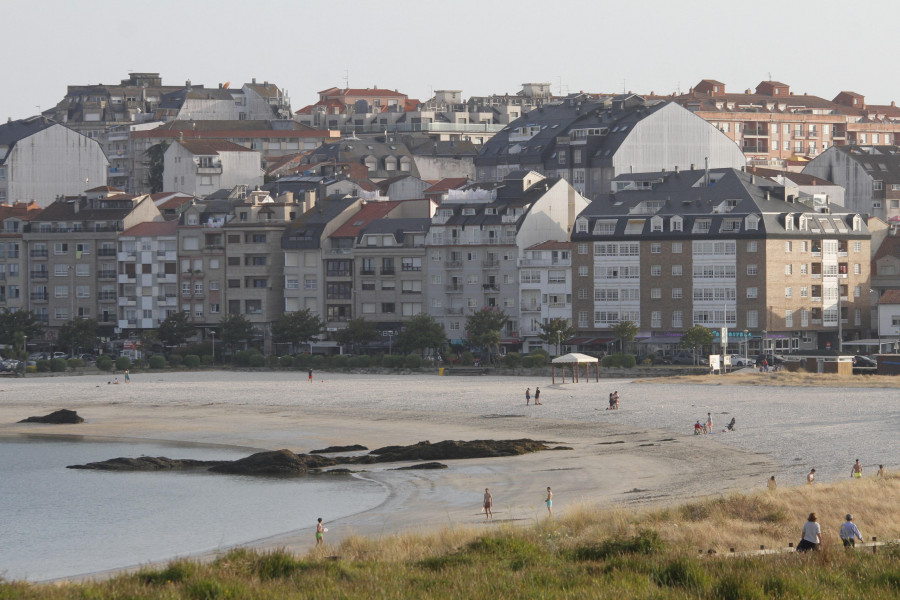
{"x":347,"y":79}
{"x":559,"y":79}
{"x":623,"y":86}
{"x":770,"y":75}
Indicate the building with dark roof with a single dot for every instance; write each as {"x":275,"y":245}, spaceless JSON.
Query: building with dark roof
{"x":41,"y":160}
{"x":588,"y":142}
{"x":723,"y":248}
{"x":869,"y":174}
{"x":199,"y":167}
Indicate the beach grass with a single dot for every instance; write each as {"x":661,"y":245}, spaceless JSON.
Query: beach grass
{"x":585,"y":552}
{"x":781,"y":378}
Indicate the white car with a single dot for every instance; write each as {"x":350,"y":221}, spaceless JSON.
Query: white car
{"x":741,"y":361}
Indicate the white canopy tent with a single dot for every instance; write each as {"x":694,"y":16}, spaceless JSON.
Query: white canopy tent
{"x":575,"y":360}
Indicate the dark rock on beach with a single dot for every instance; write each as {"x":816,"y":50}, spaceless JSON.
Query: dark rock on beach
{"x":147,"y":463}
{"x":275,"y":462}
{"x":450,"y":449}
{"x":333,"y":449}
{"x":422,"y":466}
{"x":58,"y":417}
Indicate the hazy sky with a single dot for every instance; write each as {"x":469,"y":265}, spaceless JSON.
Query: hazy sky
{"x":477,"y":46}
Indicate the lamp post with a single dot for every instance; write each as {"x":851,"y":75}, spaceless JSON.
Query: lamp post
{"x":840,"y":340}
{"x":558,"y":334}
{"x":746,"y":345}
{"x":212,"y":334}
{"x":765,"y":341}
{"x":25,"y":350}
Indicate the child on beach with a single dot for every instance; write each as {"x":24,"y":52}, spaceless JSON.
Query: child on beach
{"x":320,"y":532}
{"x":488,"y":504}
{"x":549,"y":501}
{"x":772,"y":484}
{"x":811,"y":478}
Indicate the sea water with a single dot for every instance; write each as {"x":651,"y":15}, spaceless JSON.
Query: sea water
{"x":58,"y":522}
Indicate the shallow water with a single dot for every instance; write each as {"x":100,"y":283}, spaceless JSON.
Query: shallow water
{"x":60,"y":522}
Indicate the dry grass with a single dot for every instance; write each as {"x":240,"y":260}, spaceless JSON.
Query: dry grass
{"x":782,"y":379}
{"x":739,"y":521}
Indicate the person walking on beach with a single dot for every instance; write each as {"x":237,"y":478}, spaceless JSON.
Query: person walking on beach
{"x":527,"y":396}
{"x":708,"y":422}
{"x":612,"y":402}
{"x":772,"y":484}
{"x":549,"y":501}
{"x":488,"y":504}
{"x":856,"y":470}
{"x":537,"y":396}
{"x":812,"y":534}
{"x":850,"y":533}
{"x":811,"y":478}
{"x":616,"y":399}
{"x":310,"y":376}
{"x":320,"y":533}
{"x":127,"y":376}
{"x":880,"y":472}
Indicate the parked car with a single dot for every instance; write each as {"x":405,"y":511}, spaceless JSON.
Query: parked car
{"x":60,"y":355}
{"x":741,"y":361}
{"x":684,"y":357}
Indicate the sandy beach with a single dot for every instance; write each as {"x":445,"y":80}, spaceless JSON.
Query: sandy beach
{"x":641,"y":454}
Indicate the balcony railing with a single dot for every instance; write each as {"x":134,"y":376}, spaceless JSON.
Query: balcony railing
{"x":490,"y":287}
{"x":367,"y":271}
{"x":454,"y":289}
{"x":106,"y":252}
{"x":453,"y":264}
{"x":387,"y":271}
{"x":106,"y":274}
{"x":38,"y":254}
{"x":455,"y":311}
{"x":40,"y":274}
{"x":40,"y":296}
{"x":490,"y":264}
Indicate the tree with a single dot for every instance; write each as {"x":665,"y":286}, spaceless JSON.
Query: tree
{"x":297,"y":327}
{"x":483,"y":330}
{"x":176,"y":329}
{"x":235,"y":329}
{"x":78,"y":333}
{"x":156,"y":156}
{"x":358,"y":331}
{"x":15,"y":326}
{"x":421,"y":332}
{"x":696,"y":337}
{"x":625,"y":331}
{"x":555,"y":331}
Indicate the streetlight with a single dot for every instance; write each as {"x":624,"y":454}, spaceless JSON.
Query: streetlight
{"x":212,"y":334}
{"x":25,"y":350}
{"x":558,"y":349}
{"x":746,"y":345}
{"x":765,"y":341}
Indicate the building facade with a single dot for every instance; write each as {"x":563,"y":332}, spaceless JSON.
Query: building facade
{"x":202,"y":167}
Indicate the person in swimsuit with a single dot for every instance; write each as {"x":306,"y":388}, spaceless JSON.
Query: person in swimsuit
{"x":811,"y":478}
{"x":310,"y":376}
{"x":880,"y":472}
{"x":488,"y":504}
{"x":772,"y":484}
{"x":612,"y":401}
{"x":527,"y":396}
{"x":549,"y":501}
{"x":320,"y":532}
{"x":708,"y":422}
{"x":537,"y":396}
{"x":856,"y":470}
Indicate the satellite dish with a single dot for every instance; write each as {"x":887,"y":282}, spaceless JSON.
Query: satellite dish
{"x":227,"y":83}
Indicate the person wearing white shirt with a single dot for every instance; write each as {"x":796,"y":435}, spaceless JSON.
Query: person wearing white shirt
{"x":812,"y":534}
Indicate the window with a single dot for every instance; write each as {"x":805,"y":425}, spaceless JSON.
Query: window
{"x":788,"y":269}
{"x":60,"y":248}
{"x":788,"y":246}
{"x":655,"y":248}
{"x":583,"y":271}
{"x":752,"y":318}
{"x":804,"y":292}
{"x":752,"y":246}
{"x":676,"y":293}
{"x":752,"y":269}
{"x":877,"y":185}
{"x":676,"y":247}
{"x":583,"y":248}
{"x":656,"y":319}
{"x":857,"y":246}
{"x":788,"y":318}
{"x":61,"y":291}
{"x":856,"y":269}
{"x":83,"y":291}
{"x":677,"y":319}
{"x":676,"y":270}
{"x":656,"y":293}
{"x":60,"y":270}
{"x":655,"y":270}
{"x":752,"y":292}
{"x":857,"y":291}
{"x":198,"y":288}
{"x":788,"y":292}
{"x":803,"y":269}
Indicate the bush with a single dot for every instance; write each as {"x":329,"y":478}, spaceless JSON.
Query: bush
{"x":206,"y":359}
{"x":392,"y":361}
{"x":31,"y":369}
{"x":527,"y":362}
{"x":539,"y":359}
{"x":123,"y":363}
{"x":286,"y":361}
{"x":241,"y":358}
{"x":317,"y":361}
{"x":272,"y":361}
{"x":104,"y":363}
{"x":361,"y":362}
{"x":191,"y":361}
{"x":157,"y":361}
{"x":176,"y":360}
{"x":58,"y":365}
{"x":512,"y":360}
{"x":43,"y":366}
{"x":257,"y":360}
{"x":619,"y":360}
{"x":74,"y":363}
{"x":467,"y":359}
{"x":338,"y":361}
{"x":413,"y":361}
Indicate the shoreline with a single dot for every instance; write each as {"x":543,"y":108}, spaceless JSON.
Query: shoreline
{"x":611,"y":464}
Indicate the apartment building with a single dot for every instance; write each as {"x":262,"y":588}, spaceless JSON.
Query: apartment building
{"x":147,"y":276}
{"x":722,"y":249}
{"x":773,"y":124}
{"x":589,"y":141}
{"x":545,"y":285}
{"x":476,"y":239}
{"x":202,"y":167}
{"x":41,"y":159}
{"x":13,"y":218}
{"x":254,"y":261}
{"x":869,"y":174}
{"x":70,"y":251}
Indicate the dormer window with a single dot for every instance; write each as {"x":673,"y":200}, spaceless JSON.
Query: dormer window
{"x":789,"y":222}
{"x":702,"y":225}
{"x":803,"y":223}
{"x":656,"y":224}
{"x":581,"y":225}
{"x":677,"y":224}
{"x":857,"y":223}
{"x":751,"y":223}
{"x":730,"y":225}
{"x":468,"y":212}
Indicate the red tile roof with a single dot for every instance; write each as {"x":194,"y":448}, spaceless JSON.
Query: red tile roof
{"x":151,"y":228}
{"x":890,"y":297}
{"x":371,"y":211}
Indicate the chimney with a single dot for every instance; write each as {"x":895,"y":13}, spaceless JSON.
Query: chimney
{"x":676,"y":169}
{"x":253,"y":81}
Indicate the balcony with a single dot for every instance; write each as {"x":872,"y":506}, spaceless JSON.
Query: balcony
{"x":107,"y":296}
{"x":454,"y":289}
{"x":209,"y":170}
{"x":453,"y":264}
{"x":40,"y":274}
{"x":408,"y":268}
{"x":40,"y":296}
{"x":387,"y":271}
{"x":490,"y":287}
{"x":106,"y":274}
{"x":490,"y":264}
{"x":455,"y":311}
{"x":106,"y":252}
{"x":367,"y":271}
{"x":38,"y":253}
{"x":533,"y":307}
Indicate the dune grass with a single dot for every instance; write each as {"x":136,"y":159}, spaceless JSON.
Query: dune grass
{"x":653,"y":553}
{"x":782,"y":379}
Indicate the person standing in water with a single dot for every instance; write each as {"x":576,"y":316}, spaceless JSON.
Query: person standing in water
{"x":811,"y":478}
{"x":856,"y":470}
{"x":549,"y":501}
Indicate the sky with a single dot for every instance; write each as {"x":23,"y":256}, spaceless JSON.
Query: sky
{"x":476,"y":46}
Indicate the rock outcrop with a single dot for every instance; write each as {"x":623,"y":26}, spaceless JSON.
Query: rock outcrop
{"x":59,"y":417}
{"x":148,"y":463}
{"x":334,"y":449}
{"x":276,"y":462}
